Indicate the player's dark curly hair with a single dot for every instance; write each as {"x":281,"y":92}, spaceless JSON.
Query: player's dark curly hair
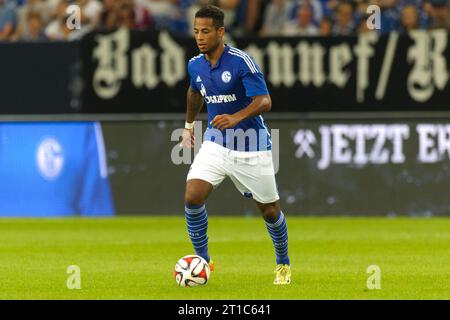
{"x":212,"y":12}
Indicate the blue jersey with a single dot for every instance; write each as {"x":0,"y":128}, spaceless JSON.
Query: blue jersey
{"x":228,"y":87}
{"x":53,"y":169}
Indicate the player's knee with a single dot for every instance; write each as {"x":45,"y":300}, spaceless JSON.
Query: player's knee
{"x":191,"y":199}
{"x":270,"y":213}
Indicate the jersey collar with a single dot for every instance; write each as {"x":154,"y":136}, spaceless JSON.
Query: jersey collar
{"x":217,"y":65}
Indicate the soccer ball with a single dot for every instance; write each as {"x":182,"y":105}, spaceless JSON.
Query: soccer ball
{"x":191,"y":271}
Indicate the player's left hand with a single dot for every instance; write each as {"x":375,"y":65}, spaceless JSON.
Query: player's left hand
{"x":224,"y":121}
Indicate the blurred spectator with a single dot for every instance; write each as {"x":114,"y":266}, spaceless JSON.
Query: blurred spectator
{"x":35,"y":28}
{"x":242,"y":17}
{"x":390,"y":16}
{"x":108,"y":19}
{"x":325,"y":27}
{"x":363,"y":26}
{"x":39,"y":7}
{"x":126,"y":15}
{"x":316,"y":9}
{"x":142,"y":17}
{"x":7,"y":20}
{"x":90,"y":11}
{"x":331,"y":6}
{"x":440,"y":14}
{"x":409,"y":19}
{"x":57,"y":28}
{"x":360,"y":9}
{"x":303,"y":26}
{"x":275,"y":17}
{"x":163,"y":12}
{"x":253,"y":18}
{"x":229,"y":7}
{"x":52,"y":4}
{"x":344,"y":24}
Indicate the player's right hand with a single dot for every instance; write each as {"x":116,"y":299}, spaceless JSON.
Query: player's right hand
{"x":187,"y":138}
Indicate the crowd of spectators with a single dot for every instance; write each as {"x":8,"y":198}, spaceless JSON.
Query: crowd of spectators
{"x":35,"y":20}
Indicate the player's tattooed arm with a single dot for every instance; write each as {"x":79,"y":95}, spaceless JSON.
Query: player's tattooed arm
{"x":259,"y":105}
{"x":194,"y":105}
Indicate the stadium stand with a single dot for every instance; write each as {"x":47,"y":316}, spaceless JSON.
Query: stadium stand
{"x":39,"y":20}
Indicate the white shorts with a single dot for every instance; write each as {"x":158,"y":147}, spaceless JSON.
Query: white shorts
{"x":251,"y":172}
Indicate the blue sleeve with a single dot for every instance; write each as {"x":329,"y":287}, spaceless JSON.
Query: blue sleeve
{"x":252,"y":78}
{"x":95,"y":197}
{"x":191,"y":77}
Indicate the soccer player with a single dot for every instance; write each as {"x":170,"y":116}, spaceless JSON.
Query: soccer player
{"x":237,"y":142}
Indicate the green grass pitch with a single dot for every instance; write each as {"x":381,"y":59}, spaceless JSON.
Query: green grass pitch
{"x":133,"y":258}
